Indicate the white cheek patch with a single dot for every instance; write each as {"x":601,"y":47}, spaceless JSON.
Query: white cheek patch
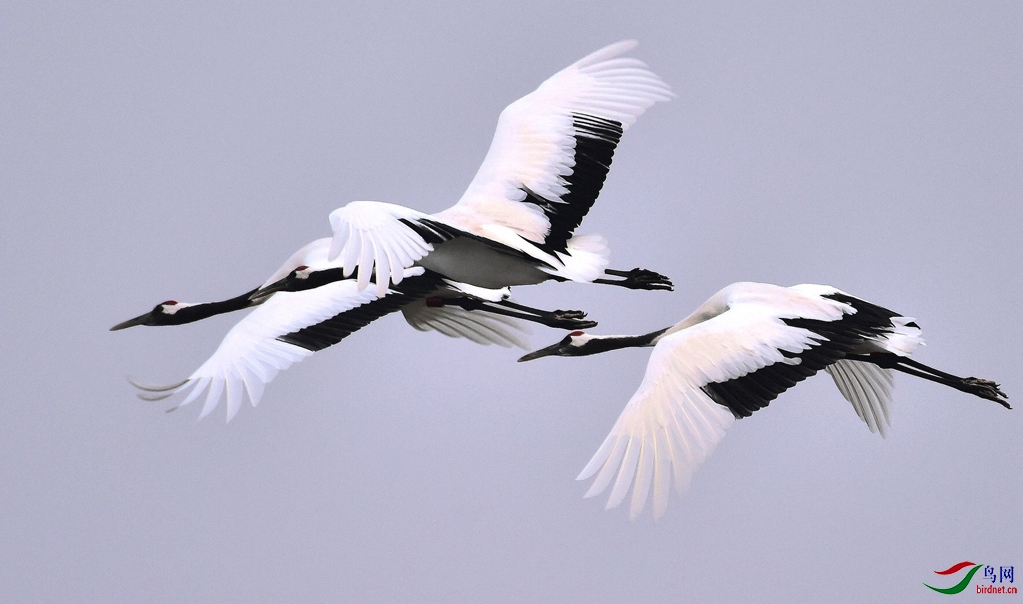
{"x":170,"y":310}
{"x":581,"y":339}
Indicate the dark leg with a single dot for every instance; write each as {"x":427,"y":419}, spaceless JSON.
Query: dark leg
{"x":637,"y":278}
{"x":558,"y":319}
{"x":985,"y":389}
{"x":563,"y":314}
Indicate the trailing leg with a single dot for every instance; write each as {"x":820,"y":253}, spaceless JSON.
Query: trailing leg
{"x":637,"y":278}
{"x":558,"y":319}
{"x":985,"y":389}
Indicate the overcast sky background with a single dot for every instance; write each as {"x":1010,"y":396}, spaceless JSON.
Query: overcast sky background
{"x":184,"y":150}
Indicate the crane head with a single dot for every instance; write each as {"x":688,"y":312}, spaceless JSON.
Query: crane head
{"x":572,"y":345}
{"x":162,"y":314}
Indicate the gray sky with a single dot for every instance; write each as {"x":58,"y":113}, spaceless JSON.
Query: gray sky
{"x":185,"y":150}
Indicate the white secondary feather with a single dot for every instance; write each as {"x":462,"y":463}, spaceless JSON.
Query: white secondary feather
{"x":532,"y":149}
{"x":369,"y":236}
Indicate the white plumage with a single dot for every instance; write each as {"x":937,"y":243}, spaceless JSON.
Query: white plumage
{"x":269,"y":339}
{"x":535,"y":139}
{"x":545,"y":166}
{"x":732,"y":356}
{"x":252,"y":353}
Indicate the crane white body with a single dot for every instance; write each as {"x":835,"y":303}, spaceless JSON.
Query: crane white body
{"x":513,"y":226}
{"x":544,"y":169}
{"x":731,"y":357}
{"x":287,"y":327}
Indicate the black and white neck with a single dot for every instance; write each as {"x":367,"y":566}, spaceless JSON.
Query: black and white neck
{"x":173,"y":312}
{"x":304,"y":278}
{"x":580,"y":343}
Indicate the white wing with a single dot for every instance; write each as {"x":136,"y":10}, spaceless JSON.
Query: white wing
{"x":671,"y":424}
{"x":552,"y":150}
{"x":250,"y":356}
{"x":271,"y":338}
{"x":368,"y":233}
{"x":588,"y":104}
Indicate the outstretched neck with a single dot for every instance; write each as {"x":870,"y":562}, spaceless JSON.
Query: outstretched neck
{"x":599,"y":344}
{"x":197,"y":312}
{"x":580,"y":344}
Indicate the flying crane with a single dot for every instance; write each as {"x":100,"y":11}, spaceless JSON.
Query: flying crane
{"x":731,"y":357}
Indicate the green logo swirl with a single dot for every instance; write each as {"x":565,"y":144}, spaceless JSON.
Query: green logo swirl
{"x":959,"y":586}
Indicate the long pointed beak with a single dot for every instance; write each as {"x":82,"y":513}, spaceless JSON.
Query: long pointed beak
{"x":264,"y":292}
{"x":553,"y":349}
{"x":139,"y":320}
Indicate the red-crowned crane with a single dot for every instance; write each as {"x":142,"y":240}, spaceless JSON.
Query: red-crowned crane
{"x":544,"y":170}
{"x":513,"y":226}
{"x":297,"y":315}
{"x":732,"y":356}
